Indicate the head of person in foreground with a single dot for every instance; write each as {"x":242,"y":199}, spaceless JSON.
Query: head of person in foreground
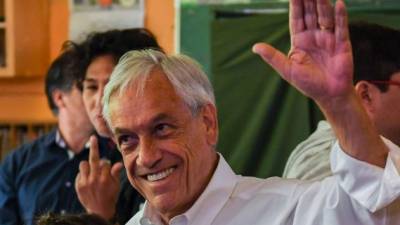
{"x":162,"y":114}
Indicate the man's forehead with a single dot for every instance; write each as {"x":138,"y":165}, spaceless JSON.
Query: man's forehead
{"x":155,"y":83}
{"x":102,"y":66}
{"x":152,"y":92}
{"x":128,"y":114}
{"x":149,"y":121}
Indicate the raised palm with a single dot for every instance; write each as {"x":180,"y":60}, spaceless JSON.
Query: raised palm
{"x":319,"y":63}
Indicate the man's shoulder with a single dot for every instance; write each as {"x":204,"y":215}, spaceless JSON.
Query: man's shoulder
{"x":254,"y":200}
{"x":21,"y":154}
{"x":252,"y":187}
{"x":319,"y":142}
{"x":39,"y":143}
{"x":310,"y":158}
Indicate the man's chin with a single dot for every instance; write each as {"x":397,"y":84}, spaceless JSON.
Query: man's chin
{"x":164,"y":205}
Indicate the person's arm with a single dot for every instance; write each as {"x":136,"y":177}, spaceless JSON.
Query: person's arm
{"x":320,"y":65}
{"x":371,"y":186}
{"x":9,"y":212}
{"x":98,"y":184}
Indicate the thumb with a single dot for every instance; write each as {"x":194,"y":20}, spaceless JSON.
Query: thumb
{"x":273,"y":57}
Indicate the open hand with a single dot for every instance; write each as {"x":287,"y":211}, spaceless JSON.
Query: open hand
{"x":319,"y":63}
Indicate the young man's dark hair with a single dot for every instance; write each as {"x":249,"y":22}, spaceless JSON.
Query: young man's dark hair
{"x":63,"y":72}
{"x":116,"y":43}
{"x":375,"y":52}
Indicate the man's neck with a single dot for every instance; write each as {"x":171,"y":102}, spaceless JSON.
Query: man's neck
{"x":74,"y":136}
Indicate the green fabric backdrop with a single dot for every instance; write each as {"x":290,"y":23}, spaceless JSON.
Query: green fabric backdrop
{"x":261,"y":117}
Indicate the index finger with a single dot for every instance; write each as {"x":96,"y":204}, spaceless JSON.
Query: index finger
{"x":94,"y":156}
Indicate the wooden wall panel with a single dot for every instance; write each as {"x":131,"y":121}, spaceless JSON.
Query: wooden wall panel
{"x":160,"y":18}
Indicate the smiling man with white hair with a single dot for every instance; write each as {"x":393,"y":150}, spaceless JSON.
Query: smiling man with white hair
{"x":162,"y":114}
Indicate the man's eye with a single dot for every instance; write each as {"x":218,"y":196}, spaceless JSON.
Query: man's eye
{"x":163,"y":130}
{"x":127,"y":141}
{"x":89,"y":87}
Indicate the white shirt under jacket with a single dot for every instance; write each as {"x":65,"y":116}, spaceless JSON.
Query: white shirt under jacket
{"x":355,"y":195}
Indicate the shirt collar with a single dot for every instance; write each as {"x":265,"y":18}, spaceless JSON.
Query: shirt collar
{"x":60,"y":142}
{"x":210,"y":202}
{"x":50,"y":138}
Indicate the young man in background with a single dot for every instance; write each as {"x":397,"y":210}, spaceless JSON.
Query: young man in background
{"x":38,"y":177}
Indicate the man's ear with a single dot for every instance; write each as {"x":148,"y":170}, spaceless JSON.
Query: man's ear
{"x":367,"y":93}
{"x":57,"y":97}
{"x":209,"y":116}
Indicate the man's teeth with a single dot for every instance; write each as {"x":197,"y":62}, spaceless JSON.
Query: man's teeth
{"x":160,"y":175}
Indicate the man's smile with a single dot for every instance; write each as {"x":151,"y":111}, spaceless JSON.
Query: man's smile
{"x":156,"y":176}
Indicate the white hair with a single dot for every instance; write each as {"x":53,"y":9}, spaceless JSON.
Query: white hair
{"x":187,"y":78}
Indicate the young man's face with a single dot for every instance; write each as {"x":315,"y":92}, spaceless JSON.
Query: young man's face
{"x":97,"y":76}
{"x":75,"y":108}
{"x":386,"y":114}
{"x":167,"y":151}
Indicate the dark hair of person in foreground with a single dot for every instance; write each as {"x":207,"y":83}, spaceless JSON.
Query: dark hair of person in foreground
{"x":71,"y":219}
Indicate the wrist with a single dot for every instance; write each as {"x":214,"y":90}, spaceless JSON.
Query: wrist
{"x":354,"y":129}
{"x":348,"y":102}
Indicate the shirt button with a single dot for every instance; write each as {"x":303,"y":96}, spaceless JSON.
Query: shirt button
{"x":68,"y":184}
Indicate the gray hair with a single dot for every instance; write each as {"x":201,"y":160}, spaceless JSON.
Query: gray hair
{"x":186,"y":76}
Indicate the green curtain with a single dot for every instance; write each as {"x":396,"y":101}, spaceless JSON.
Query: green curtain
{"x":261,"y":118}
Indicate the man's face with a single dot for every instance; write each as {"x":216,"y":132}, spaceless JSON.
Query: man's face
{"x":97,"y":76}
{"x":74,"y":107}
{"x":167,"y":151}
{"x":386,"y":112}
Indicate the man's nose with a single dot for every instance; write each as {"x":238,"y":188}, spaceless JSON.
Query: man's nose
{"x":98,"y":97}
{"x":149,"y":154}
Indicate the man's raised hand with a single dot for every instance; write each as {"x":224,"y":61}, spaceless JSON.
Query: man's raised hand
{"x":97,"y":183}
{"x":319,"y":63}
